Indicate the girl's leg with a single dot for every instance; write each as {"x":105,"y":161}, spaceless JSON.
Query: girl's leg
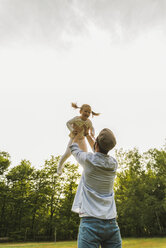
{"x":64,"y":158}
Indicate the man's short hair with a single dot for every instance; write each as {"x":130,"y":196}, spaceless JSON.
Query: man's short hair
{"x":106,"y":140}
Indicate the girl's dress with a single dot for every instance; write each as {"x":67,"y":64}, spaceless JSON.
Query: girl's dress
{"x":79,"y":125}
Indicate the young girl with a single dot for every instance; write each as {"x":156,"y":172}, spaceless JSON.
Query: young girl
{"x":79,"y":126}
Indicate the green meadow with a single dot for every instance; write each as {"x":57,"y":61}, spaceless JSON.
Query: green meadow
{"x":127,"y":243}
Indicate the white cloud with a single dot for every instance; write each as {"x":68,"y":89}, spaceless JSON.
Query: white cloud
{"x":54,"y":23}
{"x":125,"y":81}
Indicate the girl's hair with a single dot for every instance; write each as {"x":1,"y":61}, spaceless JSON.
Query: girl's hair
{"x":74,"y":105}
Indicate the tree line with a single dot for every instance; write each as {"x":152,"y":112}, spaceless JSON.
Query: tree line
{"x":35,"y":204}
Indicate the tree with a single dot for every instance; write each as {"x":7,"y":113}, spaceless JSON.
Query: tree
{"x":4,"y":164}
{"x":53,"y":193}
{"x":19,"y":183}
{"x":68,"y":221}
{"x":156,"y":169}
{"x":140,"y":192}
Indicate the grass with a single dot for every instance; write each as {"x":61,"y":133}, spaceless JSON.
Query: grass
{"x":127,"y":243}
{"x":144,"y":243}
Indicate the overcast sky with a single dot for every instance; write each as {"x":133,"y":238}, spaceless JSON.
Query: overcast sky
{"x":109,"y":54}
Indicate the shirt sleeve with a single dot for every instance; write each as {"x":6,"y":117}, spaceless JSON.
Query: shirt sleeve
{"x":79,"y":155}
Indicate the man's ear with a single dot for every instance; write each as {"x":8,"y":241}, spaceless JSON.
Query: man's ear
{"x":97,"y":149}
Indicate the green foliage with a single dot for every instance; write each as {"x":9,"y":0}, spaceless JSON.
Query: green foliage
{"x":141,"y":192}
{"x":4,"y":162}
{"x":35,"y":204}
{"x":67,"y":223}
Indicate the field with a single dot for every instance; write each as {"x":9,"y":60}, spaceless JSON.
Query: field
{"x":127,"y":243}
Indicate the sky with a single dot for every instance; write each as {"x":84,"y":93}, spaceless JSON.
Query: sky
{"x":108,"y":54}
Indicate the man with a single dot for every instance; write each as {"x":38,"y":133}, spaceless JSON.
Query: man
{"x":94,"y":200}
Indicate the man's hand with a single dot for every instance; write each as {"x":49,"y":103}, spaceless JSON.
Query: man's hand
{"x":86,"y":130}
{"x":75,"y":132}
{"x":92,"y":134}
{"x":91,"y":140}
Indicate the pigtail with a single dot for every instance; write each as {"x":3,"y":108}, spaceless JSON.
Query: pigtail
{"x":74,"y":105}
{"x":96,"y":114}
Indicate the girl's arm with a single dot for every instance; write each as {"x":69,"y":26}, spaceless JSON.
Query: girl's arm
{"x":69,"y":124}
